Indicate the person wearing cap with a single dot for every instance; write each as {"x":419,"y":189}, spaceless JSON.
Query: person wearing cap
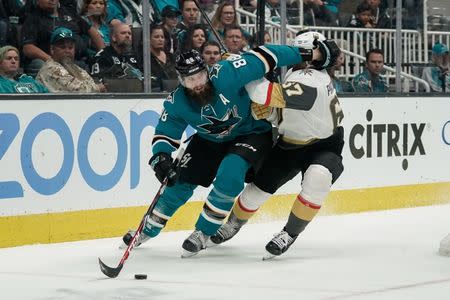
{"x":11,"y":81}
{"x":438,"y":76}
{"x":169,"y":23}
{"x":60,"y":73}
{"x":39,"y":26}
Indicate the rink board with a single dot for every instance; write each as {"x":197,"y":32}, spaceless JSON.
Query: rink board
{"x":76,"y":169}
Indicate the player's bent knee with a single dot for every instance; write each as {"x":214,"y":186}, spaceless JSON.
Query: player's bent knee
{"x":333,"y":163}
{"x":316,"y":184}
{"x":253,"y":197}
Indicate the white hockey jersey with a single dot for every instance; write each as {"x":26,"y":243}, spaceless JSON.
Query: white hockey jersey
{"x":310,"y":109}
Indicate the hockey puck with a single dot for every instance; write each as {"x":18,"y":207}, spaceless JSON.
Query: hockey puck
{"x":140,"y":276}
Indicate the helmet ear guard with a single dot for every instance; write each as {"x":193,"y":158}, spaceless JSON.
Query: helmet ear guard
{"x":330,"y":53}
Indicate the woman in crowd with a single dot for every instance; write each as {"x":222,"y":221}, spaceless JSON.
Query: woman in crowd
{"x":164,"y":76}
{"x":225,"y":16}
{"x":94,"y":12}
{"x":195,"y":37}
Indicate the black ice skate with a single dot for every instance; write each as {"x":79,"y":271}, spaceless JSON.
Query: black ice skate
{"x":194,"y":244}
{"x":226,"y":231}
{"x":129,"y":236}
{"x":279,"y":244}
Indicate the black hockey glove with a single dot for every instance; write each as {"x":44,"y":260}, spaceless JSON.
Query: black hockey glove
{"x":330,"y":53}
{"x":164,"y":167}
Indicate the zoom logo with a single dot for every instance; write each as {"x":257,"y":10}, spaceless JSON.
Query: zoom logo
{"x":387,"y":140}
{"x":446,"y":133}
{"x":74,"y":147}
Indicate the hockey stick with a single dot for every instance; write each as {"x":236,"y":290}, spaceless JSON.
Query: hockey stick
{"x":113,"y":272}
{"x":216,"y":34}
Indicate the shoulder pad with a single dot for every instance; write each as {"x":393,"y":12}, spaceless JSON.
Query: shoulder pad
{"x":310,"y":77}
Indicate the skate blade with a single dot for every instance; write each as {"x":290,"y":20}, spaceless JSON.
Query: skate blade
{"x":187,"y":254}
{"x":211,"y":244}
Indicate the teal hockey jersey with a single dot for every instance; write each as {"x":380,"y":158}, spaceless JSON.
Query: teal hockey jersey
{"x":229,"y":113}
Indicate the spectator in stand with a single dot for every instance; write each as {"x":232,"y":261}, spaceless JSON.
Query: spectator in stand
{"x":116,"y":12}
{"x":190,"y":15}
{"x":363,"y":17}
{"x":316,"y":14}
{"x":249,"y":5}
{"x":225,"y":16}
{"x":117,"y":60}
{"x":158,"y":7}
{"x":94,"y":13}
{"x":234,"y":40}
{"x":4,"y":25}
{"x":122,"y":11}
{"x":211,"y":52}
{"x":341,"y":86}
{"x":11,"y":81}
{"x":15,"y":9}
{"x":272,"y":11}
{"x":254,"y":39}
{"x":59,"y":73}
{"x":69,"y":5}
{"x":209,"y":7}
{"x":438,"y":76}
{"x":169,"y":17}
{"x":332,"y":9}
{"x":381,"y":18}
{"x":39,"y":25}
{"x":195,"y":37}
{"x":370,"y":81}
{"x":164,"y":75}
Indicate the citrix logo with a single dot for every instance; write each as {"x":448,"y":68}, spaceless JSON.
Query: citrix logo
{"x":386,"y":140}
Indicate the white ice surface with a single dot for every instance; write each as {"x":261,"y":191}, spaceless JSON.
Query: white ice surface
{"x":381,"y":255}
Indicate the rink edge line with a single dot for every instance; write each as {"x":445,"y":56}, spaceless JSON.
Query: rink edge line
{"x":111,"y":222}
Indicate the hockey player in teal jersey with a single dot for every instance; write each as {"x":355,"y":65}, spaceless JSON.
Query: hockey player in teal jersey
{"x":228,"y":142}
{"x":11,"y":82}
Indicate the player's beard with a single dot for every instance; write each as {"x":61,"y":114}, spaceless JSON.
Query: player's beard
{"x":204,"y":97}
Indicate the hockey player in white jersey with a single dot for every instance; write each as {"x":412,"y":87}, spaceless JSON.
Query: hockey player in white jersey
{"x":308,"y":117}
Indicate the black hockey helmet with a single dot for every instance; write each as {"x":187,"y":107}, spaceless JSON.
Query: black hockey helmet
{"x":189,"y":63}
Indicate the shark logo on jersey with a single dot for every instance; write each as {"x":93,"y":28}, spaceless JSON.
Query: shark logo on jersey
{"x":214,"y":71}
{"x":223,"y":126}
{"x":207,"y":110}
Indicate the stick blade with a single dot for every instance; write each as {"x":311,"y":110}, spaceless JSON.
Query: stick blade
{"x":268,"y":256}
{"x":108,"y":271}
